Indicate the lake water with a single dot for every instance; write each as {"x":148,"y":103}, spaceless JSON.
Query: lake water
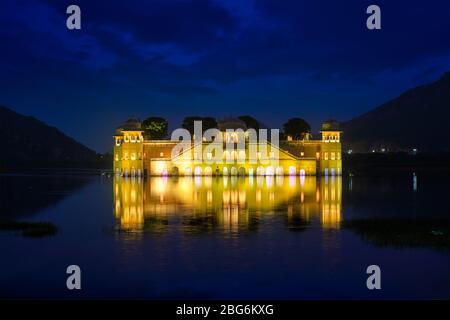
{"x":227,"y":238}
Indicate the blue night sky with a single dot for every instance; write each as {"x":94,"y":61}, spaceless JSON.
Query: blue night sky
{"x":268,"y":58}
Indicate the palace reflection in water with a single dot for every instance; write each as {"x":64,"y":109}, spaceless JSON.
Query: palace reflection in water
{"x":231,"y":204}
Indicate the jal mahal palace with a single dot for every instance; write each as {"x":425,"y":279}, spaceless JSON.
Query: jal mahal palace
{"x":136,"y":156}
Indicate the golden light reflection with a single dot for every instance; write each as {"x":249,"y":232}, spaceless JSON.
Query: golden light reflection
{"x":230,"y":203}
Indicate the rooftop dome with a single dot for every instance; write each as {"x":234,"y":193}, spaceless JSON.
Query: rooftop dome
{"x":330,"y":125}
{"x":231,"y":123}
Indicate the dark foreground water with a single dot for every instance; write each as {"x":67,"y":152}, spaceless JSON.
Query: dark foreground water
{"x":282,"y":238}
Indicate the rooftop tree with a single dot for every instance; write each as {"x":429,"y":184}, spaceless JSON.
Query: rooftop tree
{"x":207,"y":123}
{"x":297,"y":128}
{"x":155,"y":128}
{"x":250,"y":122}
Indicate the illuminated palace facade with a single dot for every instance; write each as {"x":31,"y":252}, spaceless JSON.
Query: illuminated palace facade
{"x":135,"y":156}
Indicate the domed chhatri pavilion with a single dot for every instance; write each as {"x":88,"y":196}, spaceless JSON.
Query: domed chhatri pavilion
{"x":135,"y":156}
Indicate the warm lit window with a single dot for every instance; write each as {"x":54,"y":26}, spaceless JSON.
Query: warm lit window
{"x":302,"y":154}
{"x":333,"y":156}
{"x":325,"y":155}
{"x":117,"y":157}
{"x":258,"y":155}
{"x":209,"y":155}
{"x":339,"y":156}
{"x":161,"y":154}
{"x":133,"y":156}
{"x":318,"y":155}
{"x":125,"y":156}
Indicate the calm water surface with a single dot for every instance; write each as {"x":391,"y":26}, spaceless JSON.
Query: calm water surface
{"x":261,"y":237}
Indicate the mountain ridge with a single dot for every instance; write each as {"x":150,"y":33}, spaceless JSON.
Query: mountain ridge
{"x":416,"y":119}
{"x":31,"y":142}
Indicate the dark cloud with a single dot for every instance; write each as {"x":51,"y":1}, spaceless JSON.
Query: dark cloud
{"x":274,"y":59}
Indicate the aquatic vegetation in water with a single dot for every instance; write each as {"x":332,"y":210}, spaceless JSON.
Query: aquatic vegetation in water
{"x":403,"y":232}
{"x":29,"y":229}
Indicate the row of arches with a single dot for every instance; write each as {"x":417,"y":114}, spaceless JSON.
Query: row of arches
{"x":241,"y":171}
{"x":133,"y":172}
{"x":332,"y":172}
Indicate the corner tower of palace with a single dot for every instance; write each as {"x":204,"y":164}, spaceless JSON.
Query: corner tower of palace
{"x":135,"y":156}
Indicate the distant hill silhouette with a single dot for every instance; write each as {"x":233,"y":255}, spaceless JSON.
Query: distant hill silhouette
{"x":419,"y":118}
{"x":28,"y":142}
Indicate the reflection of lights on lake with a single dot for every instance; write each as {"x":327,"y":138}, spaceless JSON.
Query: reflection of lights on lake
{"x":198,"y":182}
{"x":414,"y":182}
{"x":292,"y":181}
{"x":160,"y":196}
{"x":269,"y":181}
{"x":279,"y":181}
{"x":209,"y":196}
{"x":208,"y":181}
{"x":258,"y":196}
{"x":259,"y":181}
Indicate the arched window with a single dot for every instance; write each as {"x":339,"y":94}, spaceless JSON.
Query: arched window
{"x":260,"y":171}
{"x":242,"y":155}
{"x":198,"y":171}
{"x":269,"y":171}
{"x":279,"y":171}
{"x":292,"y":171}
